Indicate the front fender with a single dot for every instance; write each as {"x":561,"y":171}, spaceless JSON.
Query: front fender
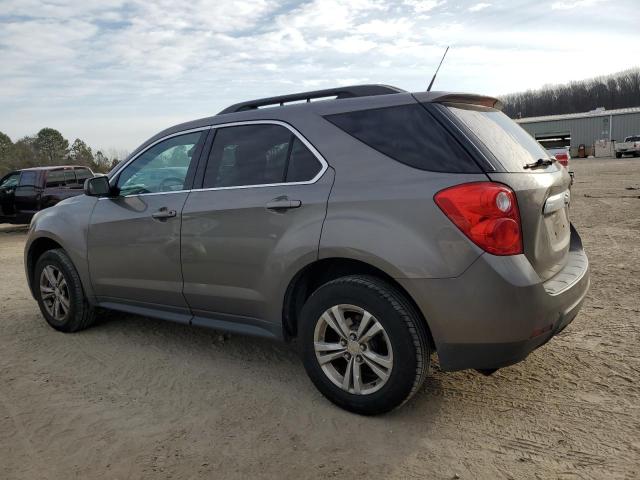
{"x":65,"y":224}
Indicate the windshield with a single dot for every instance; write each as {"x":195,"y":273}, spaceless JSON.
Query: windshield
{"x":508,"y":142}
{"x":635,"y":138}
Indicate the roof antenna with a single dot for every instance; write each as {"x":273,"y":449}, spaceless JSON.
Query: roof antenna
{"x":437,"y":70}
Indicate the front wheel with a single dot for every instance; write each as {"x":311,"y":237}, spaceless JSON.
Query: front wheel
{"x":618,"y":155}
{"x":364,"y":346}
{"x":59,"y":293}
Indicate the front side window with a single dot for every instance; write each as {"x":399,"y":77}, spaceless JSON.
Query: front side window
{"x":10,"y":180}
{"x":55,"y":179}
{"x":258,"y":155}
{"x":28,"y":179}
{"x":161,"y":168}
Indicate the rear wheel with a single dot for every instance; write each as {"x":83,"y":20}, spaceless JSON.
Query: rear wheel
{"x":618,"y":155}
{"x":363,"y":344}
{"x":59,"y":293}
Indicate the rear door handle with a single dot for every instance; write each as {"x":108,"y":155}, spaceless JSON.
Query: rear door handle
{"x":283,"y":204}
{"x":164,"y":214}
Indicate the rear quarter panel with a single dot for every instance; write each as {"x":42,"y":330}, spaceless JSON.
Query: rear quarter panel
{"x":382,"y":212}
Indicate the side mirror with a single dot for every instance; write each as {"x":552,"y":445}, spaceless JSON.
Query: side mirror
{"x":97,"y":186}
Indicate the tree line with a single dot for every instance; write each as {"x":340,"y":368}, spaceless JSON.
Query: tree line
{"x":619,"y":90}
{"x":49,"y":147}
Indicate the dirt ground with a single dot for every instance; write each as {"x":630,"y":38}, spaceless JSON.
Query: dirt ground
{"x":139,"y":398}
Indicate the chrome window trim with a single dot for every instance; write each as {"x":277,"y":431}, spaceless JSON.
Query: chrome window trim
{"x":323,"y":163}
{"x":293,"y":130}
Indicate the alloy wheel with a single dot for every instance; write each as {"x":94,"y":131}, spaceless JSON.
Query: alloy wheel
{"x":54,"y":292}
{"x":353,"y":349}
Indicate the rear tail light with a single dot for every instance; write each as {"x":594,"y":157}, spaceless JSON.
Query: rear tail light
{"x":487,"y":213}
{"x":563,"y":159}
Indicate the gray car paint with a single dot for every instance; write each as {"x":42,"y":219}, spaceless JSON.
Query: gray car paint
{"x":238,"y":256}
{"x":133,"y":256}
{"x":238,"y":259}
{"x":67,"y":224}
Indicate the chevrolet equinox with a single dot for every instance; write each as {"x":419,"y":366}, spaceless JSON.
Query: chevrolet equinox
{"x":372,"y":225}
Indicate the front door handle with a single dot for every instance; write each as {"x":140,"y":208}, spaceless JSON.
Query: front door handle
{"x":283,"y":204}
{"x":164,"y":214}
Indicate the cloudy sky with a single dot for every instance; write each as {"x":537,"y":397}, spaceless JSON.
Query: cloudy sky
{"x":114,"y":72}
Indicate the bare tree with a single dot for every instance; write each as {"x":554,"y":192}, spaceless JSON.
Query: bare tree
{"x":619,"y":90}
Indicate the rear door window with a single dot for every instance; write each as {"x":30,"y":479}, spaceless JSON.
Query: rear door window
{"x":408,"y":134}
{"x":70,"y":178}
{"x":507,"y":141}
{"x":261,"y":154}
{"x":55,"y":179}
{"x":82,"y":174}
{"x":303,"y":165}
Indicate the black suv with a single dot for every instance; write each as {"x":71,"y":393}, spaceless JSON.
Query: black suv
{"x":24,"y":192}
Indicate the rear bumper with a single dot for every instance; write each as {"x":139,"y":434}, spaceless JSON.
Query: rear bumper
{"x":499,"y":310}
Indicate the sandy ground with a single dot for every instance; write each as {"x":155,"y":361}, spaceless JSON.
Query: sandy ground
{"x":139,"y":398}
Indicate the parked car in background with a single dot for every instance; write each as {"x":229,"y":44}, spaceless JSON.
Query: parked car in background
{"x":25,"y":192}
{"x":375,"y":227}
{"x":630,"y":146}
{"x":562,"y":154}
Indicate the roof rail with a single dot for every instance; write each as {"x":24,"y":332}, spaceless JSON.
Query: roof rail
{"x":340,"y":92}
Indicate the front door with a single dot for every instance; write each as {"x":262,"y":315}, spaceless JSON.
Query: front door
{"x":257,"y":217}
{"x":134,"y":238}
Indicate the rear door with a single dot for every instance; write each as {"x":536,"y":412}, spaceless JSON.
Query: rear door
{"x":256,"y":219}
{"x":55,"y":187}
{"x":542,"y":192}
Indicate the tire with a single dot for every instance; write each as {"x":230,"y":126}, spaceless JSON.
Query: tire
{"x":55,"y":278}
{"x":402,"y":343}
{"x":618,"y":155}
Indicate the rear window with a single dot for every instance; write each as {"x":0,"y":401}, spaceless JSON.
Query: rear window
{"x":633,"y":139}
{"x":507,"y":141}
{"x":408,"y":134}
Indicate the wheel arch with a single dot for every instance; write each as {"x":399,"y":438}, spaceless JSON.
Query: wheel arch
{"x":35,"y":250}
{"x":316,"y":274}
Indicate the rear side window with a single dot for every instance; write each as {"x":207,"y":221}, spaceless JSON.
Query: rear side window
{"x":28,"y":179}
{"x":258,"y":155}
{"x":82,"y":174}
{"x":507,"y":141}
{"x":408,"y":134}
{"x":55,"y":179}
{"x":303,"y":165}
{"x":69,"y":177}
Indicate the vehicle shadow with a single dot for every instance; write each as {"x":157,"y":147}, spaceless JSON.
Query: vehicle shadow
{"x":276,"y":360}
{"x":11,"y":228}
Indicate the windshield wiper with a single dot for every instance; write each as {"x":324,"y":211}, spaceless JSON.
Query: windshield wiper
{"x":541,"y":162}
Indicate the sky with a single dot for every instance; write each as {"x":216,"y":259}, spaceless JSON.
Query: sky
{"x":115,"y":72}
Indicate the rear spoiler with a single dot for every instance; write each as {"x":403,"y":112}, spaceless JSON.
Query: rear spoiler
{"x":466,"y":98}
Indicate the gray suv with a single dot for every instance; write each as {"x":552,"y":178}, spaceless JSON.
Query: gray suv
{"x":372,"y":225}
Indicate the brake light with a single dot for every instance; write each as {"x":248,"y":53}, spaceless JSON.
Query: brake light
{"x":487,"y":213}
{"x":563,"y":159}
